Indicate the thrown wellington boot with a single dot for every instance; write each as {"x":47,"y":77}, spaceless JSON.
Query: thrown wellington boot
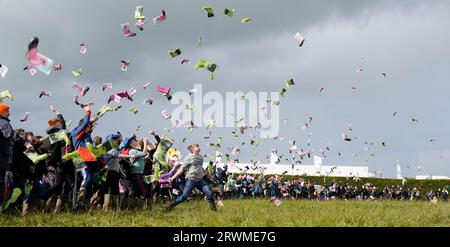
{"x":138,"y":13}
{"x":6,"y":94}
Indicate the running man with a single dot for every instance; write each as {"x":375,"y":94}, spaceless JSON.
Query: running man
{"x":193,"y":167}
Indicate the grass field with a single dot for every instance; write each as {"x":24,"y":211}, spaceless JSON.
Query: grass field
{"x":256,"y":213}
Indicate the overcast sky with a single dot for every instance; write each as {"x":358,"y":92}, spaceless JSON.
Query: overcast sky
{"x":407,"y":39}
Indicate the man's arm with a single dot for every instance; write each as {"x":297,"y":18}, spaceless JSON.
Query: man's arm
{"x":145,"y":146}
{"x":187,"y":162}
{"x":158,"y":139}
{"x":174,"y":169}
{"x":177,"y":174}
{"x":126,"y":156}
{"x":61,"y":119}
{"x":153,"y":133}
{"x":85,"y":123}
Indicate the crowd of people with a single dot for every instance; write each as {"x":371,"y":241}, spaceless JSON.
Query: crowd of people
{"x":66,"y":171}
{"x":247,"y":186}
{"x":72,"y":169}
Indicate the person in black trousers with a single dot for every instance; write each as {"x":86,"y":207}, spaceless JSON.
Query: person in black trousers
{"x":63,"y":168}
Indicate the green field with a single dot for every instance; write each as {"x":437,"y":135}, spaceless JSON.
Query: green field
{"x":256,"y":213}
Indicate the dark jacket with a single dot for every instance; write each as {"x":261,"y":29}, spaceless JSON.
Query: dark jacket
{"x":41,"y":167}
{"x":22,"y":165}
{"x":6,"y":148}
{"x":56,"y":149}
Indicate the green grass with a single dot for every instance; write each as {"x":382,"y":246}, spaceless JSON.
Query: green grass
{"x":256,"y":213}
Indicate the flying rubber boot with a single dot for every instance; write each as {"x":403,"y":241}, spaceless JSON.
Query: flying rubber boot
{"x":6,"y":94}
{"x":138,"y":13}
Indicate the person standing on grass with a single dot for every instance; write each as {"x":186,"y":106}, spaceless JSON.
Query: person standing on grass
{"x":110,"y":189}
{"x":6,"y":152}
{"x":63,"y":169}
{"x":274,"y":185}
{"x":164,"y":185}
{"x":149,"y":186}
{"x":138,"y":153}
{"x":22,"y":167}
{"x":193,"y":167}
{"x":81,"y":135}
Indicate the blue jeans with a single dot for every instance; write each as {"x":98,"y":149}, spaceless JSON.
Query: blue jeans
{"x":88,"y":177}
{"x":190,"y":185}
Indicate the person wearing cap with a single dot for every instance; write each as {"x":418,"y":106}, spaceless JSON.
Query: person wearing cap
{"x":81,"y":135}
{"x":63,"y":168}
{"x":6,"y":152}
